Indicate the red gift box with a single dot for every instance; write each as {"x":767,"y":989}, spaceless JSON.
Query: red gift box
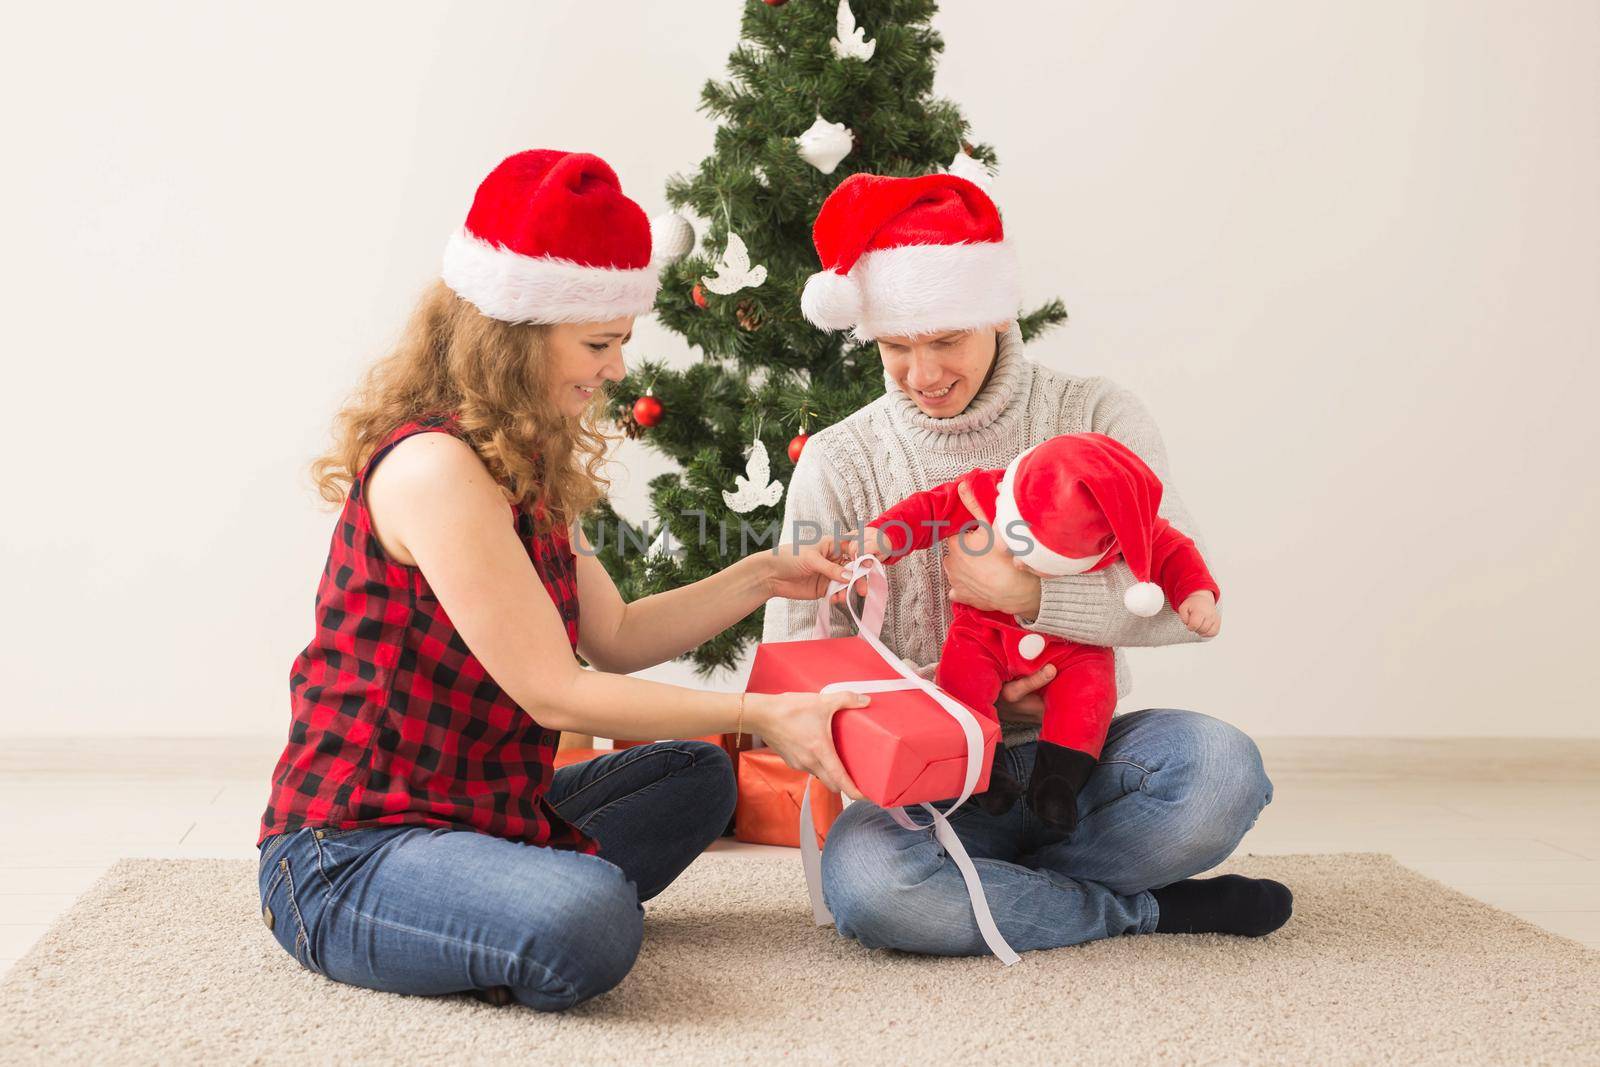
{"x":770,"y":791}
{"x":911,"y":745}
{"x":902,"y":748}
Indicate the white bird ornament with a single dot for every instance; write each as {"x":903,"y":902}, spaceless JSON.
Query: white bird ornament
{"x":734,"y":271}
{"x":755,"y":487}
{"x":852,"y":41}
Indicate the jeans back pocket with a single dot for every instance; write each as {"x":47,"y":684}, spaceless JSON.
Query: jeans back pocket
{"x":282,"y":866}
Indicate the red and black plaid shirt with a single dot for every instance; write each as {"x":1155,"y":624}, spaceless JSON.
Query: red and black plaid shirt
{"x":395,"y":722}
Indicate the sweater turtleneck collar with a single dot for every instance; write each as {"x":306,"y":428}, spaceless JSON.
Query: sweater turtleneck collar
{"x":981,"y":420}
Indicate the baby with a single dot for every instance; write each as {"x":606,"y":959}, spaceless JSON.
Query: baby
{"x":1072,"y":504}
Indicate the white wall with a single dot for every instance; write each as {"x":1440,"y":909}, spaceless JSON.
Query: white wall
{"x":1348,"y":252}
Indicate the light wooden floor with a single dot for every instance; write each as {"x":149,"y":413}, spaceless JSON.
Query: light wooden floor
{"x":1514,"y":823}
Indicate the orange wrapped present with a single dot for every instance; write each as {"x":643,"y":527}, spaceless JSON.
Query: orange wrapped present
{"x":735,"y":744}
{"x":768,"y":812}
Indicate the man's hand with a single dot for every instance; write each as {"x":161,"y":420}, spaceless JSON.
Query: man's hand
{"x":1019,"y":698}
{"x":1199,"y":613}
{"x":980,"y":570}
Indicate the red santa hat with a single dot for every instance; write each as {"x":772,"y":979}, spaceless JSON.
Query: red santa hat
{"x":908,"y":256}
{"x":1067,"y":502}
{"x":551,"y":238}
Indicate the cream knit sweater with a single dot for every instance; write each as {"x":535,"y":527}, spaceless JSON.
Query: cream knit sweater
{"x":854,"y":470}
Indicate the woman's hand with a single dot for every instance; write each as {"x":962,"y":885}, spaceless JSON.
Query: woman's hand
{"x":802,"y":572}
{"x":981,"y":572}
{"x":799,"y":727}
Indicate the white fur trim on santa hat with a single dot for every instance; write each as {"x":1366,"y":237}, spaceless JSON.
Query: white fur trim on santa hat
{"x":516,"y":288}
{"x":921,"y":289}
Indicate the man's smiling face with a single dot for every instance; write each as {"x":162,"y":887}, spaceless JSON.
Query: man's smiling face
{"x":941,"y":372}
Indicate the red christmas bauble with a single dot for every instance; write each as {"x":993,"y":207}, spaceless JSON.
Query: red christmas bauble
{"x":699,"y":295}
{"x":776,"y":3}
{"x":797,"y":446}
{"x":647,"y":411}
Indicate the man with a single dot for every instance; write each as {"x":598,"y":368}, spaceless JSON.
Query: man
{"x":921,"y":266}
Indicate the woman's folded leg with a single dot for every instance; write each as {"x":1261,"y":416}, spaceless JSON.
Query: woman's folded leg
{"x":431,"y":911}
{"x":653,"y":808}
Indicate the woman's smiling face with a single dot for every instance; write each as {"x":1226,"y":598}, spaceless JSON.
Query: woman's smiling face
{"x":583,"y":357}
{"x":941,"y":372}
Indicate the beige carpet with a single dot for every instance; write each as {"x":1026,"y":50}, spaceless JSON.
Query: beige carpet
{"x":164,"y":961}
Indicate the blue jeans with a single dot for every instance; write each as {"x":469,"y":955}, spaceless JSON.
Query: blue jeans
{"x":415,"y":909}
{"x":1172,"y":796}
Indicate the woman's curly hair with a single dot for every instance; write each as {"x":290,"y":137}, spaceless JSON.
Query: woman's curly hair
{"x":492,"y":376}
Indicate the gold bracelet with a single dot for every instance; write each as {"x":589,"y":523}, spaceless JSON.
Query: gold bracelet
{"x":738,"y":725}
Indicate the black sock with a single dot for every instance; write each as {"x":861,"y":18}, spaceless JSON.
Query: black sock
{"x":1226,"y":904}
{"x":1059,"y":774}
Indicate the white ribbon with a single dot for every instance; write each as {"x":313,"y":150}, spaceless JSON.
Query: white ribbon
{"x":869,"y":622}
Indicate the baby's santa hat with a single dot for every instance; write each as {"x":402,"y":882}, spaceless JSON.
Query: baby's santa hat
{"x":908,"y":256}
{"x":1069,"y":500}
{"x":551,"y":238}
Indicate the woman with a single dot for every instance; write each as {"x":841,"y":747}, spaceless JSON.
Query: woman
{"x":416,"y":839}
{"x":921,"y":266}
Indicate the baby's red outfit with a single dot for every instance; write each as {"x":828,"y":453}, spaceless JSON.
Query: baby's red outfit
{"x":985,"y":649}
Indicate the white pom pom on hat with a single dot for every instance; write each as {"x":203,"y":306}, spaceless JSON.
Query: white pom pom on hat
{"x":831,"y":300}
{"x":1144,"y":599}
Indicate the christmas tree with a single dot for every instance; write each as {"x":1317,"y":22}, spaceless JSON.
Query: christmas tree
{"x":816,"y":93}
